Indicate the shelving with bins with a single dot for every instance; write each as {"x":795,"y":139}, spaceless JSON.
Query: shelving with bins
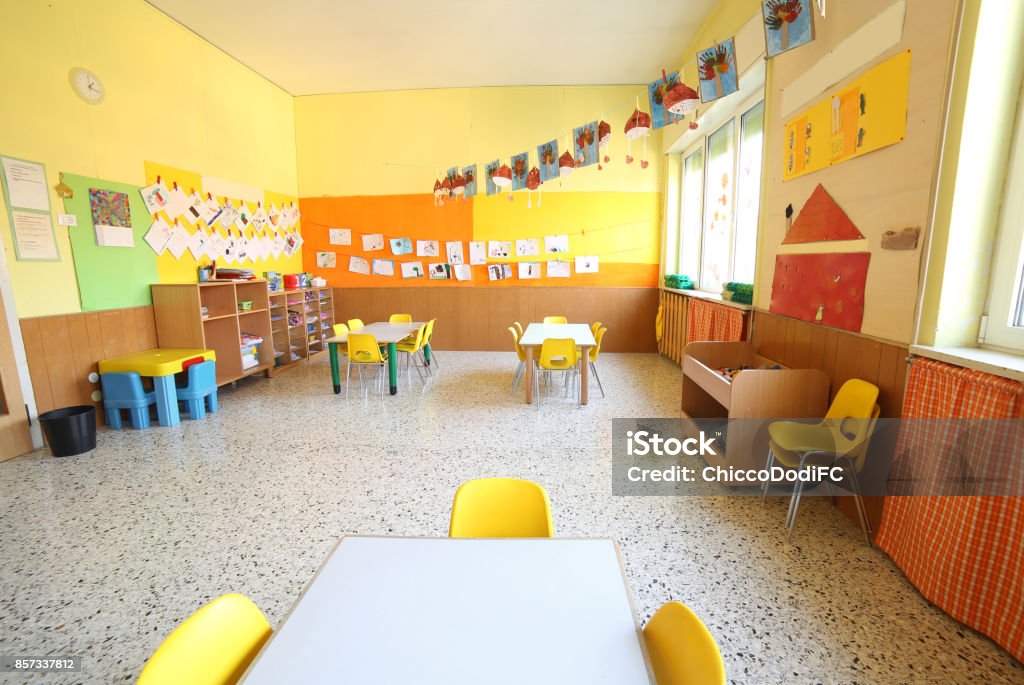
{"x":308,"y":320}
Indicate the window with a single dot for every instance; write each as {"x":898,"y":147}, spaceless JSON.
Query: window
{"x":1005,"y":327}
{"x":721,"y":187}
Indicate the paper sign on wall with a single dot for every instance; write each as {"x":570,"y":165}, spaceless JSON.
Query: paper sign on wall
{"x":340,"y":236}
{"x":33,"y":236}
{"x":26,"y":184}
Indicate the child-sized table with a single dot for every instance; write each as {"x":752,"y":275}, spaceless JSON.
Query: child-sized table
{"x":160,"y":364}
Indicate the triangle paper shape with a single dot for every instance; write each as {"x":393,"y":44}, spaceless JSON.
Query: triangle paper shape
{"x":821,"y":220}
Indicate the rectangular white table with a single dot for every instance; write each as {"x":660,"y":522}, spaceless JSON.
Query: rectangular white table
{"x":386,"y":333}
{"x":425,"y":611}
{"x":535,"y":335}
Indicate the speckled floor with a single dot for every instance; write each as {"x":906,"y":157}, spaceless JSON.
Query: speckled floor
{"x":103,"y":554}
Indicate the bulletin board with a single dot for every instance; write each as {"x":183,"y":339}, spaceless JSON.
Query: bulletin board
{"x":109,"y":277}
{"x":868,"y":114}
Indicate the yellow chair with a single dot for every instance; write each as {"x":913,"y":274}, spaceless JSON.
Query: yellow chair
{"x":341,"y":329}
{"x":840,"y":439}
{"x":595,"y":327}
{"x":555,"y":319}
{"x":521,"y":353}
{"x":363,"y":350}
{"x":519,"y":328}
{"x":681,"y":649}
{"x":412,"y":346}
{"x":428,"y":335}
{"x":595,"y":352}
{"x":213,"y":646}
{"x":556,"y":354}
{"x":501,"y":508}
{"x":400,"y":318}
{"x":355,"y":324}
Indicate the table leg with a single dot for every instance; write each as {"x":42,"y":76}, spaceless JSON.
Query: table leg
{"x":426,"y":354}
{"x":584,"y":374}
{"x":529,"y":374}
{"x":332,"y":352}
{"x":393,"y":367}
{"x":166,"y":400}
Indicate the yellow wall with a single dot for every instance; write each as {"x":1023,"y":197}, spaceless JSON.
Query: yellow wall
{"x":171,"y":97}
{"x":364,"y":143}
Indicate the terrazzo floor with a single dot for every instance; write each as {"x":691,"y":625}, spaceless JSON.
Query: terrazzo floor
{"x":105,"y":553}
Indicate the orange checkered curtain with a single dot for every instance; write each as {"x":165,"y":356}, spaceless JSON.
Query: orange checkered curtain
{"x":965,"y":554}
{"x":710,"y":321}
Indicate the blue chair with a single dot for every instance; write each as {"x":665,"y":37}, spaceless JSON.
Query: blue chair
{"x":201,"y":388}
{"x":124,"y":391}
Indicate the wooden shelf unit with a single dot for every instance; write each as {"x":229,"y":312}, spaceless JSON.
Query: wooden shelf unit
{"x":753,"y":393}
{"x":300,"y":322}
{"x":181,"y":323}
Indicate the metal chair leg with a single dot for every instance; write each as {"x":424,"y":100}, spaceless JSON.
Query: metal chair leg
{"x":348,"y":374}
{"x":767,"y":467}
{"x":794,"y":506}
{"x":593,"y":370}
{"x":520,"y":370}
{"x":862,"y":512}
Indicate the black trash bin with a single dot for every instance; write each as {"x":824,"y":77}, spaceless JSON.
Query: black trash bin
{"x":70,"y":430}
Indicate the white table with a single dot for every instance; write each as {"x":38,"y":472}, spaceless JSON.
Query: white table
{"x":424,"y":611}
{"x":535,"y":335}
{"x":386,"y":333}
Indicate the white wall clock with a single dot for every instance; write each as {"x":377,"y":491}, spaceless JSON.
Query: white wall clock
{"x":87,"y":85}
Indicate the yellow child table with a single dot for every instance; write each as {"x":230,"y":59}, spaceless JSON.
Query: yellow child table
{"x":160,"y":364}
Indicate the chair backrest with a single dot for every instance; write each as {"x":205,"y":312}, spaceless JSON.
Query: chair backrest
{"x":418,"y":337}
{"x":202,"y":375}
{"x":851,"y":411}
{"x":501,"y":508}
{"x":123,"y":385}
{"x":682,"y":650}
{"x":859,"y":453}
{"x":595,"y":327}
{"x":555,"y":319}
{"x":557,"y":353}
{"x":515,"y":343}
{"x":340,"y":329}
{"x":400,"y":318}
{"x":429,"y":333}
{"x":213,"y":646}
{"x":355,"y":324}
{"x":519,"y":328}
{"x":363,"y":349}
{"x":189,"y":362}
{"x":595,"y":351}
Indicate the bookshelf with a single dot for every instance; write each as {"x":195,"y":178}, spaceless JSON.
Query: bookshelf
{"x":208,"y":316}
{"x":300,"y":321}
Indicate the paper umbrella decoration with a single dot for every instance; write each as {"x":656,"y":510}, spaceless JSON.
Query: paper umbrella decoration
{"x":637,"y":126}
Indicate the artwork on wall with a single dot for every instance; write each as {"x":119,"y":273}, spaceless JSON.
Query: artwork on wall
{"x":555,"y":244}
{"x":547,"y":154}
{"x":373,"y":242}
{"x":903,"y":239}
{"x":716,"y":69}
{"x":111,"y":218}
{"x":358,"y":265}
{"x":489,"y":176}
{"x":427,"y":248}
{"x":499,"y":249}
{"x":154,"y":196}
{"x":412,"y":269}
{"x":463,"y":272}
{"x":821,"y":220}
{"x":656,"y":91}
{"x":439,"y":271}
{"x":338,"y":236}
{"x":869,"y":114}
{"x":587,"y":265}
{"x":477,"y":252}
{"x":788,"y":24}
{"x":821,"y":288}
{"x":383,"y":267}
{"x":520,"y":163}
{"x":400,"y":246}
{"x":469,"y":174}
{"x":326,"y":260}
{"x":584,"y":140}
{"x":558,"y":269}
{"x":527,"y":247}
{"x":499,"y":272}
{"x":528,"y":270}
{"x":454,"y":252}
{"x":158,"y":234}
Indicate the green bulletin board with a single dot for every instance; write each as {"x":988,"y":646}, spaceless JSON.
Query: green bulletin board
{"x":110,"y":277}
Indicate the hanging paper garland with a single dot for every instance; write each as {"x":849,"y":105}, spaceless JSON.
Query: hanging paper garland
{"x":503,"y":178}
{"x":604,"y":134}
{"x":637,"y":126}
{"x":532,"y":183}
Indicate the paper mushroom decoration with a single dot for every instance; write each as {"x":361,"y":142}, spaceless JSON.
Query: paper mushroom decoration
{"x":446,"y":188}
{"x":502,"y":178}
{"x":532,"y":184}
{"x":637,"y":126}
{"x":681,"y":100}
{"x":437,"y":192}
{"x":459,"y":186}
{"x":604,"y":135}
{"x":565,"y":164}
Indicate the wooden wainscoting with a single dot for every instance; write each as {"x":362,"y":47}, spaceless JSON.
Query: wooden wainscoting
{"x":478,"y":318}
{"x":841,"y":356}
{"x":64,"y":349}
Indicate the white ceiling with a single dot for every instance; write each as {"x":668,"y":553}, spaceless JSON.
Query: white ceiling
{"x":333,"y":46}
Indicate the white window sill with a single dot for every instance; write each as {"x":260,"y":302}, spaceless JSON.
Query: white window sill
{"x":713,"y":297}
{"x":978,"y":358}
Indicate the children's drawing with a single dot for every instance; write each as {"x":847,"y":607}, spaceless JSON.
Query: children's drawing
{"x":373,"y":242}
{"x":555,"y":244}
{"x":412,"y":270}
{"x":228,"y":214}
{"x":197,"y":244}
{"x":326,"y":260}
{"x":656,"y":90}
{"x":427,"y":248}
{"x":520,"y":165}
{"x":529,"y":270}
{"x":110,"y":208}
{"x":499,"y":249}
{"x":439,"y":271}
{"x":558,"y":269}
{"x":489,"y":173}
{"x":154,"y":197}
{"x":584,"y":140}
{"x":339,"y":236}
{"x":158,"y":235}
{"x":463,"y":272}
{"x":547,"y":154}
{"x":527,"y":247}
{"x":259,"y":218}
{"x":454,"y":250}
{"x":469,"y":174}
{"x":477,"y":252}
{"x":587,"y":265}
{"x":499,"y":272}
{"x":177,"y":203}
{"x":788,"y":24}
{"x":358,"y":265}
{"x":400,"y":246}
{"x":383,"y":267}
{"x":716,"y":69}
